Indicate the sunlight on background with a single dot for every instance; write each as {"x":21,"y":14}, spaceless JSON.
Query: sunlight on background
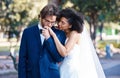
{"x":37,"y":7}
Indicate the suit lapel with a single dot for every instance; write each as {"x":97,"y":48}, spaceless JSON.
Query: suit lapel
{"x":37,"y":33}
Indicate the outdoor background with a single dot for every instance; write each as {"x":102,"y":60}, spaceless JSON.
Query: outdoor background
{"x":102,"y":18}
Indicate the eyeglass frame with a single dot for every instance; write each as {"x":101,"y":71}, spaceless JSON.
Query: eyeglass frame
{"x":52,"y":23}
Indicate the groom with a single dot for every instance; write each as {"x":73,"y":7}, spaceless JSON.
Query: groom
{"x":38,"y":57}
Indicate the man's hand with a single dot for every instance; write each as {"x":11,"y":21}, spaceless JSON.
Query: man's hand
{"x":45,"y":32}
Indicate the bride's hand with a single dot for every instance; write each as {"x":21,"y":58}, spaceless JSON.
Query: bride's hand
{"x":51,"y":32}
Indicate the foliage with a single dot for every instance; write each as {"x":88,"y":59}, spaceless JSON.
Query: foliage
{"x":13,"y":13}
{"x":105,"y":9}
{"x":33,"y":22}
{"x":96,"y":11}
{"x":102,"y":44}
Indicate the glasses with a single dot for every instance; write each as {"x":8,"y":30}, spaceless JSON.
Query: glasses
{"x":49,"y":22}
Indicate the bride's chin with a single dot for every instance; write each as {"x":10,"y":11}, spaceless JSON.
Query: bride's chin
{"x":60,"y":28}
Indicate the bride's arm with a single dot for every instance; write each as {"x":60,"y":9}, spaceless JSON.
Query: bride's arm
{"x":64,"y":50}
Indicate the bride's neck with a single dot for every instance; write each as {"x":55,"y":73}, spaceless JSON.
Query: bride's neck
{"x":67,"y":33}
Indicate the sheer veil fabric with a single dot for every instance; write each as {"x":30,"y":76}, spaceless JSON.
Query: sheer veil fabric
{"x":82,"y":61}
{"x":90,"y":66}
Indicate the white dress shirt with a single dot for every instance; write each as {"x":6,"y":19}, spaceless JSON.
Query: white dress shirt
{"x":41,"y":35}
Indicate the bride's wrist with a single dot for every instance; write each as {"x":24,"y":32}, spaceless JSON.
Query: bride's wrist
{"x":54,"y":35}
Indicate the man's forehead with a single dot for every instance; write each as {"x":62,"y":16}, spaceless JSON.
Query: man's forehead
{"x":52,"y":17}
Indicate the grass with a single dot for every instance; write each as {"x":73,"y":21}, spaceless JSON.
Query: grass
{"x":102,"y":44}
{"x":7,"y":49}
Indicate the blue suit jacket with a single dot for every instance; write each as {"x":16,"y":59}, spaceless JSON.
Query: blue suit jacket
{"x":37,"y":60}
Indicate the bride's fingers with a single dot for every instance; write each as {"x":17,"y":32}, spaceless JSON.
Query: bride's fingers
{"x":50,"y":30}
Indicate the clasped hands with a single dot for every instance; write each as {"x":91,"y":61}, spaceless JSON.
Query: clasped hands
{"x":47,"y":32}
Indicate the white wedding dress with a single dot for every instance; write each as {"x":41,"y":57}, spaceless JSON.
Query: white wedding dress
{"x":70,"y":66}
{"x":82,"y":61}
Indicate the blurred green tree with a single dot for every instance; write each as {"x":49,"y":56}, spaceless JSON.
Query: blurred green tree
{"x":13,"y":13}
{"x":96,"y":11}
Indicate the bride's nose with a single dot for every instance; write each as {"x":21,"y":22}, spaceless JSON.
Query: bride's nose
{"x":59,"y":24}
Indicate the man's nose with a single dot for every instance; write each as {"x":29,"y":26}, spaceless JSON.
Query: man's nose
{"x":49,"y":24}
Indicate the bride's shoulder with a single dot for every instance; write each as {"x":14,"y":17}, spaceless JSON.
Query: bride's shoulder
{"x":74,"y":33}
{"x":75,"y":36}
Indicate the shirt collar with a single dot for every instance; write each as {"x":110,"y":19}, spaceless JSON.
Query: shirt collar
{"x":40,"y":26}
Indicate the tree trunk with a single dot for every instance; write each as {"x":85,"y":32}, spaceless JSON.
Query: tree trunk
{"x":93,"y":25}
{"x":101,"y":30}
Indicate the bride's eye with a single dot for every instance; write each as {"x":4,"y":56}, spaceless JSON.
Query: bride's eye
{"x":63,"y":23}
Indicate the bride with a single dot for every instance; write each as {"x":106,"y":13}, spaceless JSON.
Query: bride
{"x":80,"y":59}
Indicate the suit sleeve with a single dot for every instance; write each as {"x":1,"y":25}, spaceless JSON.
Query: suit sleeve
{"x":22,"y":57}
{"x":52,"y":47}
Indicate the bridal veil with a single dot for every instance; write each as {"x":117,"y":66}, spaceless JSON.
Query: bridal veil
{"x":90,"y":65}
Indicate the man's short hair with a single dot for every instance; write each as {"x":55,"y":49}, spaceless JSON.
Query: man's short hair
{"x":48,"y":10}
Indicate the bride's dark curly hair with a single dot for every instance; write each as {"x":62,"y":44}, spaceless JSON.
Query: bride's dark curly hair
{"x":74,"y":18}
